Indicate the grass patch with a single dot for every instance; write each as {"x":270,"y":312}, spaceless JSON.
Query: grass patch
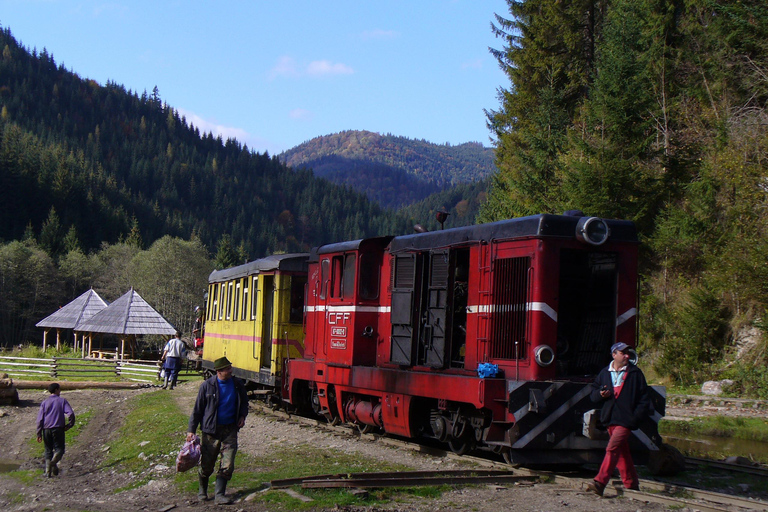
{"x":749,"y":429}
{"x":152,"y":434}
{"x":304,"y":460}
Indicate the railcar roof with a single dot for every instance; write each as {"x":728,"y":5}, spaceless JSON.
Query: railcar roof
{"x":353,"y":245}
{"x":543,"y":225}
{"x":294,"y":262}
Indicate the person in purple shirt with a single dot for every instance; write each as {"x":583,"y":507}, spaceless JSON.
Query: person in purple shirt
{"x":54,"y":418}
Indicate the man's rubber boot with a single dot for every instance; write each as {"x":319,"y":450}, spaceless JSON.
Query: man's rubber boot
{"x":47,"y":472}
{"x":202,"y":489}
{"x":221,"y":487}
{"x":55,"y":463}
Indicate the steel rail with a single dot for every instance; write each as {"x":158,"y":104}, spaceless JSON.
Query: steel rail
{"x":651,"y":490}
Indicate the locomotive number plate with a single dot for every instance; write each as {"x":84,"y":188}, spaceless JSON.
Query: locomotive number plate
{"x":338,"y":343}
{"x":339,"y":331}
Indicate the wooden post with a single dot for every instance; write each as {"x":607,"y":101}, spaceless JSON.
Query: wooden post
{"x":74,"y":347}
{"x":122,"y":348}
{"x":45,"y":336}
{"x":58,"y":338}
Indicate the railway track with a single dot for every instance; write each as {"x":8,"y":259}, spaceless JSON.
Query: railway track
{"x":668,"y":492}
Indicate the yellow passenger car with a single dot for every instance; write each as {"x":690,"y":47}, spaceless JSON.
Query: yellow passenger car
{"x":254,"y":317}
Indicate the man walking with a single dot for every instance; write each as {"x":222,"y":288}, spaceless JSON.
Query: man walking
{"x":220,"y":411}
{"x":622,"y":389}
{"x":51,"y":425}
{"x":174,"y":350}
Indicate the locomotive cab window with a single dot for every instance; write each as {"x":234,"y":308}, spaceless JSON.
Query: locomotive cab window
{"x":369,"y":277}
{"x":343,"y":277}
{"x":297,"y":299}
{"x":325,"y":272}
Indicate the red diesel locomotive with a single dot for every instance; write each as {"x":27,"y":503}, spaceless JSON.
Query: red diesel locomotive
{"x":484,"y":336}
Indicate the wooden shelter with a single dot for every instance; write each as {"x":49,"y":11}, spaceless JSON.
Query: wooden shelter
{"x":127,"y":317}
{"x":72,"y":316}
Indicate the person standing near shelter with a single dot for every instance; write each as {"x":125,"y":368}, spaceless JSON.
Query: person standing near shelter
{"x":623,"y":391}
{"x":174,"y":350}
{"x":55,"y":417}
{"x":220,"y":411}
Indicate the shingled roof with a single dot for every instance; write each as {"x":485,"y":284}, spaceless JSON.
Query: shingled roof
{"x":75,"y":313}
{"x":130,"y":314}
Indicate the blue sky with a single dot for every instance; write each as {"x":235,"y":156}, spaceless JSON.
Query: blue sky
{"x":276,"y":73}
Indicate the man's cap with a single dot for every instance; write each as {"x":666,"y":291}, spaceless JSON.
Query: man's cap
{"x":52,"y":387}
{"x":221,"y":363}
{"x":621,"y":346}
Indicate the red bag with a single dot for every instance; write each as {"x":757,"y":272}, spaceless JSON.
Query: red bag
{"x":189,"y":455}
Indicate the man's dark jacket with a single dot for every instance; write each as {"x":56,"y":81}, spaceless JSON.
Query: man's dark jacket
{"x":207,"y":403}
{"x":633,"y":404}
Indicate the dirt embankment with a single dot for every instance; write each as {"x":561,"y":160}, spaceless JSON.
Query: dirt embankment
{"x":85,"y":484}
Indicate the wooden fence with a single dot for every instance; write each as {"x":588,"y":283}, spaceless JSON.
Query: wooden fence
{"x":79,"y":369}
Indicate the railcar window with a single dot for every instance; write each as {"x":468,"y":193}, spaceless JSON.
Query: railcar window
{"x":215,"y":302}
{"x":325,"y":268}
{"x":222,"y":295}
{"x":369,"y":277}
{"x":236,"y":305}
{"x":229,"y":300}
{"x":254,"y":296}
{"x":348,"y":279}
{"x":245,"y":299}
{"x":297,"y":299}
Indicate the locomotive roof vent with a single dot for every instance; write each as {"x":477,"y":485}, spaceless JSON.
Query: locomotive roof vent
{"x":592,"y":230}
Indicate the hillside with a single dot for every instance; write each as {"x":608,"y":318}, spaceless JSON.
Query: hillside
{"x":393,"y":171}
{"x":83,"y":163}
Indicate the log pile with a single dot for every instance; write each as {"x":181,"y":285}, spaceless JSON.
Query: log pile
{"x":8,"y":393}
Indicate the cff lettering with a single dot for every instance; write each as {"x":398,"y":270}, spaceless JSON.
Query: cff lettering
{"x":338,"y":318}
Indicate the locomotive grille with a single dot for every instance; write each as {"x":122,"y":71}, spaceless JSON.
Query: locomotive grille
{"x":510,"y":314}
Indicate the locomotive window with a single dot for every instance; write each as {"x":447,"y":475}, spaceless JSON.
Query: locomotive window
{"x":236,"y":305}
{"x":229,"y":300}
{"x":369,"y":276}
{"x":254,"y":296}
{"x":245,"y":299}
{"x":336,"y":276}
{"x":348,"y":281}
{"x":297,"y":299}
{"x":324,"y":275}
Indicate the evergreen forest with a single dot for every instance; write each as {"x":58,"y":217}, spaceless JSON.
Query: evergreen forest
{"x":654,"y":111}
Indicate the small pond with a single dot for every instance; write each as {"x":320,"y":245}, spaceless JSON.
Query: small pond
{"x":719,"y":447}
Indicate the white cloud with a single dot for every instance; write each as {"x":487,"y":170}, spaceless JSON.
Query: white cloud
{"x":229,"y":132}
{"x":300,"y":114}
{"x":324,"y":67}
{"x":286,"y":67}
{"x":379,"y":34}
{"x":472,"y":64}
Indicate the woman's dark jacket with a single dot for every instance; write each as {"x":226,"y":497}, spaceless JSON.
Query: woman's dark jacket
{"x":633,"y":404}
{"x":207,"y":403}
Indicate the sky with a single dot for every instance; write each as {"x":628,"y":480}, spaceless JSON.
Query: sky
{"x":276,"y":73}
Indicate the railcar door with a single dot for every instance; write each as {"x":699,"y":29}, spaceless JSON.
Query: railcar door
{"x":402,"y":311}
{"x":266,"y":320}
{"x":433,"y":331}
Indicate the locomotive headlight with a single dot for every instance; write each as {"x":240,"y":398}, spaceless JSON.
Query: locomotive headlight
{"x":592,"y":230}
{"x":544,"y":355}
{"x":633,"y":357}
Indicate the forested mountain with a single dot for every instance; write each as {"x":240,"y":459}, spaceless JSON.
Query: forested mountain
{"x":393,"y":171}
{"x":655,"y":112}
{"x":462,"y":202}
{"x":82,"y":163}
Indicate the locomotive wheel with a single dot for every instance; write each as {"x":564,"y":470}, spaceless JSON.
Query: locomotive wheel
{"x":461,"y":446}
{"x":332,"y":420}
{"x":364,"y":429}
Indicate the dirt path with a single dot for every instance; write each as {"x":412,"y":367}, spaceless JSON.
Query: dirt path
{"x":85,"y":485}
